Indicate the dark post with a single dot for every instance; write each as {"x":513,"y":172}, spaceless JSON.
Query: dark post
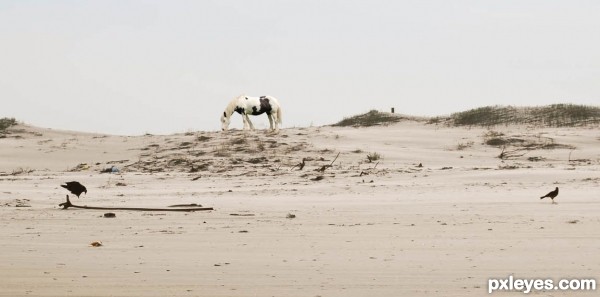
{"x":392,"y":110}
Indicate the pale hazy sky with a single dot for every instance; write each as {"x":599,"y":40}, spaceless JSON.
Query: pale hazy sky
{"x":131,"y":67}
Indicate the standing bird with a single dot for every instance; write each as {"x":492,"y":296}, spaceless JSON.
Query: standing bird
{"x":75,"y":187}
{"x":552,"y":195}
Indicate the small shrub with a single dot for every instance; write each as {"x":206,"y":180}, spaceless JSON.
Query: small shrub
{"x":373,"y":156}
{"x":496,"y":141}
{"x":371,"y":118}
{"x":6,"y":123}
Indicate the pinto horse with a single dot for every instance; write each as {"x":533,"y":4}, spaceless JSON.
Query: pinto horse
{"x":246,"y":105}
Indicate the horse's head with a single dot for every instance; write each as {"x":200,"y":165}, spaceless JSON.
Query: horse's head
{"x":225,"y":121}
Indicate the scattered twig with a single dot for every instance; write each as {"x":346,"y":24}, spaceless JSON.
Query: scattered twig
{"x":324,"y":167}
{"x":504,"y":154}
{"x":368,"y":170}
{"x":570,"y":152}
{"x":242,"y":214}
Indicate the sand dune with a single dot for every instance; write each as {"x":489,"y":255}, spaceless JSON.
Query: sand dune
{"x":383,"y":228}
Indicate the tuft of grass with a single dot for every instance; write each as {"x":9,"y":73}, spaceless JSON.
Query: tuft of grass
{"x":373,"y":156}
{"x":21,"y":170}
{"x":462,"y":146}
{"x":371,"y":118}
{"x":202,"y":138}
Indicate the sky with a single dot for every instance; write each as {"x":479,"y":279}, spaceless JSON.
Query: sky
{"x":134,"y":67}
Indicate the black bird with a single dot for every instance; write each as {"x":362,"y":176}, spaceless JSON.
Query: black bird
{"x":552,"y":195}
{"x":75,"y":187}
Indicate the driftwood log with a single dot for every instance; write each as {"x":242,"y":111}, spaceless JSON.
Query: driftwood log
{"x":66,"y":205}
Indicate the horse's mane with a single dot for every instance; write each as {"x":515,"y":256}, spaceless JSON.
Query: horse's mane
{"x":232,"y":104}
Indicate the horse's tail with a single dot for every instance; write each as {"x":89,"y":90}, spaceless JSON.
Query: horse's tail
{"x":279,"y":115}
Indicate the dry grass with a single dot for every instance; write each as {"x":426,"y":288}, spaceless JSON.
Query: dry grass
{"x":21,"y":170}
{"x":462,"y":146}
{"x":371,"y":118}
{"x":6,"y":123}
{"x":374,"y":156}
{"x":555,"y":115}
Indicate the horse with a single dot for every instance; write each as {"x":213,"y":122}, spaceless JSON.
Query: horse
{"x":246,"y":105}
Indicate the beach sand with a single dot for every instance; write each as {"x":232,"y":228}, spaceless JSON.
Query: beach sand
{"x":384,"y":228}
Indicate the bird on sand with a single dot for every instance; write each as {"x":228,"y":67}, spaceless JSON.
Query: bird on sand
{"x":552,"y":195}
{"x":75,"y":187}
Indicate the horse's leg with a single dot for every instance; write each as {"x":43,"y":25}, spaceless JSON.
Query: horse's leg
{"x":245,"y":119}
{"x":249,"y":122}
{"x":270,"y":120}
{"x":276,"y":120}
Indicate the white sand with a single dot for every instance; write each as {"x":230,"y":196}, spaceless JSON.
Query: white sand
{"x":440,"y":230}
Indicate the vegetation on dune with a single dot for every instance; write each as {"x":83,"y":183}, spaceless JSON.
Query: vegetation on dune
{"x":555,"y":115}
{"x":6,"y":123}
{"x":371,"y":118}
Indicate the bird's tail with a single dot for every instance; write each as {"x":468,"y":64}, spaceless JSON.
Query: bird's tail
{"x":64,"y":186}
{"x":543,"y":197}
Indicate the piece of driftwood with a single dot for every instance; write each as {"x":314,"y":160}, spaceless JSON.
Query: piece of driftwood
{"x":68,"y":204}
